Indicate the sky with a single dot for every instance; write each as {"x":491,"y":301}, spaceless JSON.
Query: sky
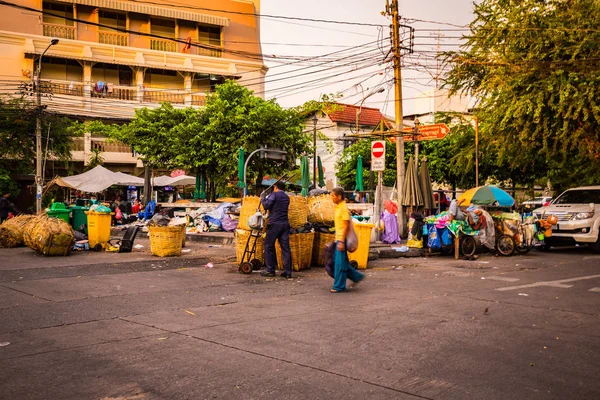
{"x":350,"y":56}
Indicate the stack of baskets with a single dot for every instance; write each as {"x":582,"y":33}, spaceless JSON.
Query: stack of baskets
{"x":321,"y":211}
{"x":249,"y":206}
{"x":301,"y":246}
{"x":166,"y":241}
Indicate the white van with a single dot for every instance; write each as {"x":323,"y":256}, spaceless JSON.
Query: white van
{"x":578,"y":213}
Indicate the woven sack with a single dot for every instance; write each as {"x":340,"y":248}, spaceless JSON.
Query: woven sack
{"x":298,"y":211}
{"x":249,"y":206}
{"x":49,"y":236}
{"x":241,"y":238}
{"x":301,"y":246}
{"x":166,"y":241}
{"x":12,"y":230}
{"x":321,"y":210}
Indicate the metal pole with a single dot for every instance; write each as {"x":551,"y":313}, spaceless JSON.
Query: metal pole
{"x":398,"y":108}
{"x":39,"y":183}
{"x":315,"y":121}
{"x":476,"y":151}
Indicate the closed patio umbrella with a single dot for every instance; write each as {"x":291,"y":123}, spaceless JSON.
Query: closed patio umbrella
{"x":359,"y":175}
{"x":305,"y":173}
{"x":425,"y":183}
{"x":412,"y":191}
{"x":320,"y":172}
{"x":241,"y":162}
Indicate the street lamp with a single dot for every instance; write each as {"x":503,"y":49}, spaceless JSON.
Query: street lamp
{"x":315,"y":120}
{"x":381,"y":90}
{"x":38,"y":131}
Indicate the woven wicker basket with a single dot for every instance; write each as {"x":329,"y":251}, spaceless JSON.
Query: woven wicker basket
{"x":298,"y":211}
{"x":301,"y":245}
{"x":49,"y":236}
{"x":321,"y":210}
{"x":249,"y":206}
{"x":166,"y":241}
{"x":321,"y":240}
{"x":241,"y":237}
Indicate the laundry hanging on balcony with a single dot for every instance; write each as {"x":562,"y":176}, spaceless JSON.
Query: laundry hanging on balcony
{"x":101,"y":88}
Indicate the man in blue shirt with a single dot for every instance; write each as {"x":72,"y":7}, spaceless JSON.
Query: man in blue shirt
{"x":277,"y":203}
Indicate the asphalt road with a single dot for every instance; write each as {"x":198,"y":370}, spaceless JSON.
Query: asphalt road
{"x":108,"y":326}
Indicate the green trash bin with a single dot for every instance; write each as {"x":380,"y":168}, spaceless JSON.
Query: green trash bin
{"x":60,"y":211}
{"x":80,"y":218}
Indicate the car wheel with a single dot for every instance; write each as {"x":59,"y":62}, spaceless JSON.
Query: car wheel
{"x":596,"y":246}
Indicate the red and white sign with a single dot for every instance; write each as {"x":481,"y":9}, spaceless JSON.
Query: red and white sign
{"x":378,"y":155}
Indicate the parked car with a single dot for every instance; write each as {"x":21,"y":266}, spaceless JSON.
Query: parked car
{"x":537,"y":202}
{"x":578,"y":213}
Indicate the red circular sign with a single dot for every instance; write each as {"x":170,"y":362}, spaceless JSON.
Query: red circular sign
{"x":377,"y":150}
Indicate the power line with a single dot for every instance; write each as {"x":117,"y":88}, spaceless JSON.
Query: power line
{"x":180,"y":5}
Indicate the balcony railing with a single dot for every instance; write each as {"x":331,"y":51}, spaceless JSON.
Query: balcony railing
{"x":199,"y":100}
{"x":114,"y":38}
{"x":163,"y":45}
{"x":59,"y":31}
{"x":126,"y":93}
{"x":210,"y":52}
{"x":159,"y":96}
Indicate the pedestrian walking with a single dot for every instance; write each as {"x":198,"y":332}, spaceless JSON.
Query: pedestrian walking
{"x":278,"y":228}
{"x":342,"y":268}
{"x":6,"y":207}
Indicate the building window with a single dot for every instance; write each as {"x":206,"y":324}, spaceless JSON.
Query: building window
{"x":209,"y":35}
{"x":162,"y":27}
{"x":112,"y":20}
{"x":59,"y":13}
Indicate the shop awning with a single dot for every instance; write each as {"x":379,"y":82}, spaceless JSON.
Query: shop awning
{"x":182,"y":180}
{"x":97,"y":180}
{"x":159,"y":11}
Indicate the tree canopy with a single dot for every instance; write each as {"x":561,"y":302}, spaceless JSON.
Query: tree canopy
{"x":534,"y":68}
{"x":207,"y":140}
{"x":17,"y":138}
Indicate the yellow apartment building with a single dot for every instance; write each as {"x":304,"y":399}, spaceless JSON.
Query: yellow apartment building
{"x":114,"y":56}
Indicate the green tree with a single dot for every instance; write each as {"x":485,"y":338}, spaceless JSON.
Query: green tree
{"x":533,"y":65}
{"x":17,"y":138}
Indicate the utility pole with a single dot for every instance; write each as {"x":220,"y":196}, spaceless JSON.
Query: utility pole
{"x":39,"y":181}
{"x":476,"y":151}
{"x":394,"y":13}
{"x":315,"y":122}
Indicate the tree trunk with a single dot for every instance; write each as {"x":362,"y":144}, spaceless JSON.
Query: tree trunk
{"x":213,"y":194}
{"x":453,"y":190}
{"x":147,"y":183}
{"x":259,"y":179}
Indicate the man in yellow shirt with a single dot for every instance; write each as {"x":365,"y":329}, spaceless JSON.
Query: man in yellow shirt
{"x":342,"y":270}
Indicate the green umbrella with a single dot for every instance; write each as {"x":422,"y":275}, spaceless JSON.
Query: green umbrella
{"x":320,"y":172}
{"x":200,"y":192}
{"x":241,"y":162}
{"x":359,"y":175}
{"x":305,"y":172}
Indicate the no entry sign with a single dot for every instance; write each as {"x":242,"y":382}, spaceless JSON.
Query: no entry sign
{"x":378,"y":155}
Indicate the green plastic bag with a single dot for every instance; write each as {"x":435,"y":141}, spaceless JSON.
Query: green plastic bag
{"x":102,"y":209}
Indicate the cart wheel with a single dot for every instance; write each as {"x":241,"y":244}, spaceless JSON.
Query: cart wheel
{"x":354,"y":264}
{"x":256,"y":264}
{"x":468,"y":246}
{"x":505,"y":245}
{"x":246,"y":268}
{"x":98,"y":247}
{"x":523,"y":248}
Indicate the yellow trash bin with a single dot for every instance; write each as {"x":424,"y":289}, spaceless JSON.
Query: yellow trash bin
{"x":361,"y":255}
{"x":98,"y":229}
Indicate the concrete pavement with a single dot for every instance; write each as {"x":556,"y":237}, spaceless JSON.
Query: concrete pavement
{"x":100,"y":326}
